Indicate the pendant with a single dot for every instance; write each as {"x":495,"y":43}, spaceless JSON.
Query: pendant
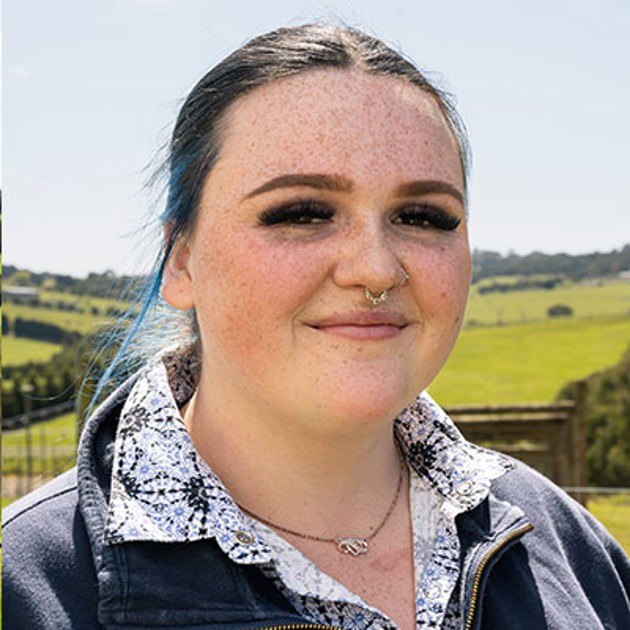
{"x":354,"y":546}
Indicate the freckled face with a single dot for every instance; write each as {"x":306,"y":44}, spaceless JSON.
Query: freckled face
{"x":327,"y":182}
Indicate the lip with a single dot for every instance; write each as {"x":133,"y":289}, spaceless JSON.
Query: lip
{"x":362,"y":325}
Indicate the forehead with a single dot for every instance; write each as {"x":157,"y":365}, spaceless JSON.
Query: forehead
{"x":365,"y":127}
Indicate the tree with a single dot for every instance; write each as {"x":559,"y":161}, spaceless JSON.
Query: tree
{"x":559,"y":310}
{"x":607,"y":418}
{"x":21,"y":278}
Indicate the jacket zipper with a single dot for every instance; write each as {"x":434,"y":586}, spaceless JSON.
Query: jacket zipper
{"x":475,"y":590}
{"x":482,"y":565}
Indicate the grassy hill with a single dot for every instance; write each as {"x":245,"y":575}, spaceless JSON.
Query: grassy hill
{"x":19,"y":350}
{"x":89,"y":313}
{"x":529,"y":362}
{"x":587,"y":299}
{"x":511,"y":351}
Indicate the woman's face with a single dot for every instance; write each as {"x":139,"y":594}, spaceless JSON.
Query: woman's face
{"x":327,"y":182}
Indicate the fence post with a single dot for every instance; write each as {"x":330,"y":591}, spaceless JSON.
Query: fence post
{"x":27,"y":389}
{"x":43,"y":451}
{"x":578,"y":440}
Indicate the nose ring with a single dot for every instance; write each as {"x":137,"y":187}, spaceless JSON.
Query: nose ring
{"x":376,"y":299}
{"x":383,"y":295}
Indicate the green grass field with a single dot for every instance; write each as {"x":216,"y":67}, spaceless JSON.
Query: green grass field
{"x":85,"y":322}
{"x":528,"y":362}
{"x":71,"y":321}
{"x":19,"y":350}
{"x":595,"y":299}
{"x":53,"y":445}
{"x":60,"y":431}
{"x":84,"y":301}
{"x":614,"y":513}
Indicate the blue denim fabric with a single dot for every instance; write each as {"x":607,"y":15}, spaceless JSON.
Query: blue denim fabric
{"x":567,"y":573}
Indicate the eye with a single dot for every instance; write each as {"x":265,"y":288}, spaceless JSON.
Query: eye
{"x":298,"y":213}
{"x":427,"y":217}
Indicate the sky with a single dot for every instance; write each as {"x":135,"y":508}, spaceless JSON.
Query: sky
{"x":91,"y":90}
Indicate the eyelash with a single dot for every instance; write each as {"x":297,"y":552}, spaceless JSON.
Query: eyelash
{"x":311,"y":213}
{"x":425,"y":216}
{"x":298,"y":213}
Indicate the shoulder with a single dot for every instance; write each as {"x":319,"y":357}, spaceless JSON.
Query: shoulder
{"x":41,"y":520}
{"x":551,"y":510}
{"x":48,"y":572}
{"x":570,"y":554}
{"x":59,"y":491}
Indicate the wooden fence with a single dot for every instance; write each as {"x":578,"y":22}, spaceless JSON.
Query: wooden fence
{"x":549,"y":437}
{"x":39,"y":415}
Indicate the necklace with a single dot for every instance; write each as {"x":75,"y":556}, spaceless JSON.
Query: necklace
{"x":350,"y":545}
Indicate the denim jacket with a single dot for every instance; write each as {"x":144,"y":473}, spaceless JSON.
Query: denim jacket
{"x":531,"y":558}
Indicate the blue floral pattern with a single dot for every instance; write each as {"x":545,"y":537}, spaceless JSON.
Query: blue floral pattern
{"x":163,"y":491}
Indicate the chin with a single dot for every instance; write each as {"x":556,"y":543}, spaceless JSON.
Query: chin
{"x":368,"y":402}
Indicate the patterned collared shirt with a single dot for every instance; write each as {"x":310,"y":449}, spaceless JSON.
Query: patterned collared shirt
{"x":163,"y":491}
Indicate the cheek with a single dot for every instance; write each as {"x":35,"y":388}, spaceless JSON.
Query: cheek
{"x":443,"y":284}
{"x":247,"y":292}
{"x":441,"y":292}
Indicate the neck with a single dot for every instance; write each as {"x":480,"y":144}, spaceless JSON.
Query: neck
{"x":278,"y":469}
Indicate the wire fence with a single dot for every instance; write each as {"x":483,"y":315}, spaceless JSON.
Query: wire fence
{"x":36,"y":447}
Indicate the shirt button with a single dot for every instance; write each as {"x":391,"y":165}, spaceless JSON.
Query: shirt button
{"x":464,"y":488}
{"x":243,"y":537}
{"x":433,"y":591}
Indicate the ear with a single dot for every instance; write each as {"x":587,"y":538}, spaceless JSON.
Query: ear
{"x":177,"y":285}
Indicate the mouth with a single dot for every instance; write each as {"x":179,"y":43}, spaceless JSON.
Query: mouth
{"x":362,"y":325}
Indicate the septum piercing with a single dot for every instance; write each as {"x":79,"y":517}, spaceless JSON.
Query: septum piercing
{"x":383,"y":295}
{"x":376,"y":299}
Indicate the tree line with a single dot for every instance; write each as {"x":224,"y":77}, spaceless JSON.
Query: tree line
{"x":520,"y":285}
{"x":39,"y":331}
{"x":36,"y":385}
{"x":106,"y":284}
{"x":575,"y":267}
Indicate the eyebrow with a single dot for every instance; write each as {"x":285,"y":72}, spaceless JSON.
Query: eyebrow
{"x":337,"y":183}
{"x":424,"y":187}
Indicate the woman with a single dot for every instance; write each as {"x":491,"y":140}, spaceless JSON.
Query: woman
{"x":282,"y":470}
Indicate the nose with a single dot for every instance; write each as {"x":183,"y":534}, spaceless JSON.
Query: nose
{"x":368,"y":259}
